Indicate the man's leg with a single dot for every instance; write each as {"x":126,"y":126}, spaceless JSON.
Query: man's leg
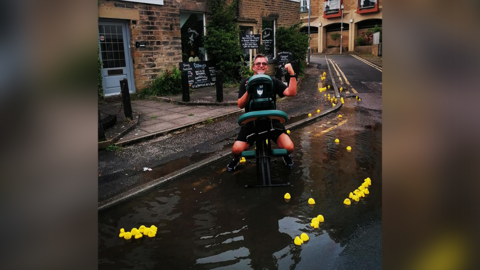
{"x":239,"y":146}
{"x":285,"y":142}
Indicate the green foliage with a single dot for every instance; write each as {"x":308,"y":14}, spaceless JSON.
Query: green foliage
{"x":377,"y":29}
{"x":169,"y":83}
{"x":114,"y":148}
{"x":222,"y":43}
{"x":292,"y":40}
{"x":245,"y":71}
{"x":99,"y":76}
{"x":360,"y":41}
{"x":208,"y":121}
{"x":335,"y":36}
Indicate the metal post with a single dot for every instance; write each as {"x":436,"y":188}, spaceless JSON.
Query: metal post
{"x":341,"y":32}
{"x":185,"y":87}
{"x":219,"y":86}
{"x":309,"y":8}
{"x":127,"y":106}
{"x":101,"y":131}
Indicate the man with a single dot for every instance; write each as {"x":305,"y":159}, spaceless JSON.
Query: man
{"x":279,"y":135}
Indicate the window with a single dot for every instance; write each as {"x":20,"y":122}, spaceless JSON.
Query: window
{"x":367,"y":3}
{"x":304,"y":5}
{"x":192,"y":31}
{"x":153,"y":2}
{"x":331,"y":7}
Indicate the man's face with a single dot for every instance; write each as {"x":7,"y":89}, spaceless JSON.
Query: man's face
{"x":260,"y":65}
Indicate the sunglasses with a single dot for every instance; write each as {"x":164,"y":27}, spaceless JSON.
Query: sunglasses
{"x":261,"y":63}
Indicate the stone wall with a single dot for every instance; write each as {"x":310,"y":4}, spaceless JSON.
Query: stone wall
{"x":286,"y":13}
{"x":159,"y":26}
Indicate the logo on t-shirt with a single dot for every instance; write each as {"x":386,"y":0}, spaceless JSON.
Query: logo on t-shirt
{"x":260,"y":90}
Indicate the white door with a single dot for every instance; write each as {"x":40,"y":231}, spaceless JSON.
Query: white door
{"x":115,"y":56}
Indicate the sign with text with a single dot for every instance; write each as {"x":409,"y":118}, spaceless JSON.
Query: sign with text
{"x":200,"y":74}
{"x":250,"y":41}
{"x":284,"y":58}
{"x":267,"y":41}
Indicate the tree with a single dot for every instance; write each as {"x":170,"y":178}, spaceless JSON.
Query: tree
{"x":335,"y":36}
{"x":292,"y":40}
{"x":221,"y":40}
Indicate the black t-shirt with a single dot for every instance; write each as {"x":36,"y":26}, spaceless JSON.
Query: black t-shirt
{"x":278,"y":87}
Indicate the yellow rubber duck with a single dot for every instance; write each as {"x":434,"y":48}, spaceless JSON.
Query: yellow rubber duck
{"x":243,"y":160}
{"x":349,"y":148}
{"x":314,"y":223}
{"x":347,"y":202}
{"x":318,"y":111}
{"x":342,"y":100}
{"x":369,"y":181}
{"x":359,"y":99}
{"x":320,"y":218}
{"x":329,"y":86}
{"x":340,"y":116}
{"x":298,"y":241}
{"x":311,"y":201}
{"x":337,"y":141}
{"x":361,"y":194}
{"x":288,"y":131}
{"x":154,"y":228}
{"x":361,"y":188}
{"x":325,"y":95}
{"x":355,"y":198}
{"x":151,"y":234}
{"x":356,"y":191}
{"x":266,"y":141}
{"x":304,"y":237}
{"x":122,"y":233}
{"x":146,"y":231}
{"x":309,"y":115}
{"x":138,"y":235}
{"x":350,"y":195}
{"x":341,"y":89}
{"x":287,"y":196}
{"x":366,"y":191}
{"x":128,"y":235}
{"x":141,"y":229}
{"x":333,"y":105}
{"x":134,"y":231}
{"x":365,"y":184}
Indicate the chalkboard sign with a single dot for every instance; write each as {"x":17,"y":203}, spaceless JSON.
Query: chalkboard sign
{"x":250,"y":41}
{"x":200,"y":74}
{"x":284,"y":58}
{"x":267,"y":41}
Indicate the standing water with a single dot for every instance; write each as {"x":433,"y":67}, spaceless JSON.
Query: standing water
{"x":209,"y":220}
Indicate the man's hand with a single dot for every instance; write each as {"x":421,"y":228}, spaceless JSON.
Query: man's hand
{"x":289,"y":69}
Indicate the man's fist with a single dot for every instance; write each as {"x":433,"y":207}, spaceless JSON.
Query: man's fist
{"x":289,"y":69}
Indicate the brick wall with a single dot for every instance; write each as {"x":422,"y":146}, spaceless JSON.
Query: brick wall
{"x":286,"y":12}
{"x":330,"y":42}
{"x":159,"y":26}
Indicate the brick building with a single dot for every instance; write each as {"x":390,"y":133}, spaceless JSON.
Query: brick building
{"x":325,"y":19}
{"x":139,"y":39}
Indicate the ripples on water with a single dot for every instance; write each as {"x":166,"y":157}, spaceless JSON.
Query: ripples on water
{"x":208,"y":220}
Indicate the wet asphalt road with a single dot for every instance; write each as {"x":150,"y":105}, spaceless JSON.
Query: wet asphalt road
{"x":208,"y":220}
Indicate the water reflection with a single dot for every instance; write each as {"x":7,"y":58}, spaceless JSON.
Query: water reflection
{"x":208,"y":220}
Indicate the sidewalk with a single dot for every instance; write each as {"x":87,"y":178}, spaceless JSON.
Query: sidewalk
{"x":162,"y":115}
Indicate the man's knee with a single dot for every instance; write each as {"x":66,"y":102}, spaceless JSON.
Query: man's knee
{"x":286,"y":143}
{"x":289,"y":146}
{"x":238,"y":147}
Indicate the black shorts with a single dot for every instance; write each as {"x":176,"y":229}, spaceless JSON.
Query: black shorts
{"x":247,"y":132}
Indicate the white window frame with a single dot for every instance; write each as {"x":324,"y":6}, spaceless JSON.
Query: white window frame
{"x":152,"y":2}
{"x":304,"y":8}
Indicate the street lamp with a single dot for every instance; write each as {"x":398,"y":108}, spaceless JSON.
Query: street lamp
{"x":341,"y":31}
{"x":308,"y":6}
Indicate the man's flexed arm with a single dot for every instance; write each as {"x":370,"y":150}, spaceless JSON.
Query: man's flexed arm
{"x":292,"y":86}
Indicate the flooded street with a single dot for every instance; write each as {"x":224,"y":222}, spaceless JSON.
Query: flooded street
{"x":209,"y":220}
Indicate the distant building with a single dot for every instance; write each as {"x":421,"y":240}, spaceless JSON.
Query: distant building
{"x":325,"y":19}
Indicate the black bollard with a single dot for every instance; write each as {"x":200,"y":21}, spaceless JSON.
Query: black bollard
{"x":219,"y":86}
{"x":127,"y":106}
{"x":185,"y":87}
{"x":101,"y":131}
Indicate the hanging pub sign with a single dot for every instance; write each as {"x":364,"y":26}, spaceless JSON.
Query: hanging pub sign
{"x":267,"y":41}
{"x":200,"y":74}
{"x":250,"y":41}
